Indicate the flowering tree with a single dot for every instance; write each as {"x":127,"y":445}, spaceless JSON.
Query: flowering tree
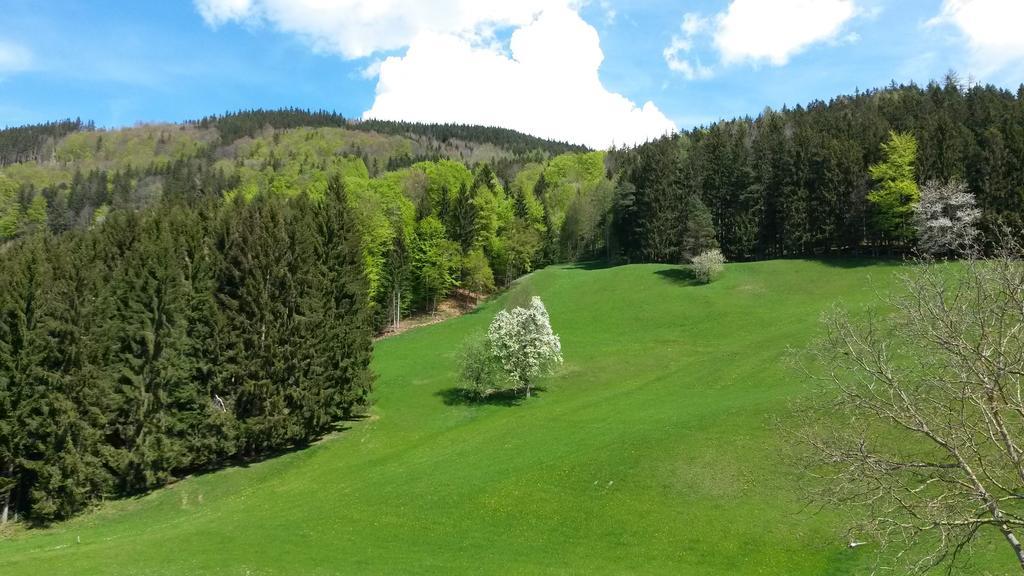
{"x":708,"y":265}
{"x":524,"y":343}
{"x":946,"y":218}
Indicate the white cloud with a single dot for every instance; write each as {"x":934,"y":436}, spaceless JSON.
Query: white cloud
{"x":992,"y":29}
{"x":359,"y":28}
{"x":217,"y":12}
{"x":758,"y":31}
{"x":548,"y":85}
{"x":455,"y":70}
{"x":692,"y":26}
{"x":755,"y":30}
{"x":14,"y":58}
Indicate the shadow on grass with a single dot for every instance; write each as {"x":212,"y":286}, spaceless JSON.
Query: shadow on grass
{"x":462,"y":397}
{"x":853,"y":262}
{"x":592,"y":265}
{"x":681,"y":275}
{"x":245,"y":461}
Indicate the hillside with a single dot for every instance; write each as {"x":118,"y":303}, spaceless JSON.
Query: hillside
{"x":652,"y":451}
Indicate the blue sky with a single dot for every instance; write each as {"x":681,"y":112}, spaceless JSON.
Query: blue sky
{"x":599,"y":72}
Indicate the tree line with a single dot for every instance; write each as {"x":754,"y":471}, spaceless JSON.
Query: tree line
{"x":175,"y":339}
{"x":36,"y":142}
{"x":795,"y":182}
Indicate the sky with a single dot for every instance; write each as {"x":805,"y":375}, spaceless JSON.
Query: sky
{"x":595,"y":72}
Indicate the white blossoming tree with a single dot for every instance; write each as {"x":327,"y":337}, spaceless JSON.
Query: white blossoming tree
{"x":946,"y":218}
{"x":524,"y":343}
{"x":708,"y":265}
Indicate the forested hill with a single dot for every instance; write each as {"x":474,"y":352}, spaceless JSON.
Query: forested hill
{"x":796,"y":181}
{"x":498,"y":198}
{"x":175,"y":298}
{"x":39,"y":142}
{"x":215,"y":265}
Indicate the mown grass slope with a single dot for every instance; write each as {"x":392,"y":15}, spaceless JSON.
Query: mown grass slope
{"x":652,"y":452}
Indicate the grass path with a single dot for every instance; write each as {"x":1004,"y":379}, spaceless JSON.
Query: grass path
{"x":650,"y":453}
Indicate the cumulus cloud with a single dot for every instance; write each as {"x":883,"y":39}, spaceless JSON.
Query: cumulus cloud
{"x":693,"y":25}
{"x":14,"y":58}
{"x":548,"y":85}
{"x":454,"y":70}
{"x":754,"y":30}
{"x":757,"y":31}
{"x":359,"y":28}
{"x":992,"y":29}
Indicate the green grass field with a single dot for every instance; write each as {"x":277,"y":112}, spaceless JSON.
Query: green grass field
{"x":651,"y":452}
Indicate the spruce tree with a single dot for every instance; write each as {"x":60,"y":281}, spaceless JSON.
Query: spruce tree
{"x":67,"y":455}
{"x":257,"y":299}
{"x":345,"y":344}
{"x":700,"y":231}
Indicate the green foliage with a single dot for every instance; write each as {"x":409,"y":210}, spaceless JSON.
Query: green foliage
{"x":480,"y":372}
{"x":10,"y":210}
{"x":35,"y":143}
{"x":35,"y":216}
{"x":896,"y":194}
{"x":435,"y":260}
{"x":476,"y":273}
{"x":170,"y":340}
{"x":651,"y":224}
{"x":99,"y":216}
{"x":568,"y":177}
{"x":515,"y":142}
{"x":700,"y":230}
{"x":526,"y":204}
{"x":445,"y":178}
{"x":249,"y":123}
{"x":795,"y":182}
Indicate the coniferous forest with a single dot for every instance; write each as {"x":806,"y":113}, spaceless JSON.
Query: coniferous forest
{"x":174,"y":298}
{"x":795,"y":182}
{"x":175,"y":340}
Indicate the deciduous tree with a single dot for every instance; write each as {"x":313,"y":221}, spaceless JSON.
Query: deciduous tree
{"x":522,"y":339}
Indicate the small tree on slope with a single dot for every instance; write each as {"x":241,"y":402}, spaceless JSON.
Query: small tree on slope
{"x":524,"y":343}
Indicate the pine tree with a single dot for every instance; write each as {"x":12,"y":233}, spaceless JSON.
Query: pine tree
{"x":22,"y":352}
{"x":203,"y":425}
{"x":66,"y":458}
{"x":464,"y":223}
{"x":345,"y":345}
{"x":700,"y":230}
{"x":257,"y":296}
{"x":659,"y":194}
{"x":150,"y":296}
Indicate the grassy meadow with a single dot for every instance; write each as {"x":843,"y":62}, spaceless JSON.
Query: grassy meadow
{"x":653,"y":451}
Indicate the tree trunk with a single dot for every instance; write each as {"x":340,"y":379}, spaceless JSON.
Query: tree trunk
{"x":398,"y":309}
{"x":527,"y":390}
{"x":7,"y":496}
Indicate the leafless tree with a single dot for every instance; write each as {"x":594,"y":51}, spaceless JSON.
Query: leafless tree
{"x":919,"y":433}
